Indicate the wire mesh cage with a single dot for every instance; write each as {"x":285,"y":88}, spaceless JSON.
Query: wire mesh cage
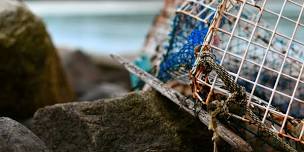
{"x":262,"y":47}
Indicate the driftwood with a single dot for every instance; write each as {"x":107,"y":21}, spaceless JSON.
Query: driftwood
{"x":186,"y":104}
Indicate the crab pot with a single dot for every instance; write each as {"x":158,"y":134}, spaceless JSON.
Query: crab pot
{"x":262,"y":48}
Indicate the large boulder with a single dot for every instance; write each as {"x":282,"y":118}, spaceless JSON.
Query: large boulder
{"x":142,"y":121}
{"x":30,"y":72}
{"x":14,"y":137}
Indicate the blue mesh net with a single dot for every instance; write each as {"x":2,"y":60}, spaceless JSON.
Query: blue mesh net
{"x":186,"y":34}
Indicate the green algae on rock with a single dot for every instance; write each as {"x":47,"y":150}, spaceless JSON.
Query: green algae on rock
{"x":30,"y":72}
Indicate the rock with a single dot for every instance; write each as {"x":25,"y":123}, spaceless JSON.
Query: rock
{"x":142,"y":121}
{"x":31,"y":76}
{"x":16,"y":138}
{"x":113,"y":72}
{"x":104,"y":90}
{"x":82,"y":73}
{"x":89,"y":78}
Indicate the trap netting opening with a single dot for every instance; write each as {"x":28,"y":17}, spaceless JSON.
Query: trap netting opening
{"x":262,"y":47}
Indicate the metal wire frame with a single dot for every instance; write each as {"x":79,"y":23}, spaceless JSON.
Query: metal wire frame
{"x":236,"y":14}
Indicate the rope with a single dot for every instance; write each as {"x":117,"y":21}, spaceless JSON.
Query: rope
{"x":238,"y":97}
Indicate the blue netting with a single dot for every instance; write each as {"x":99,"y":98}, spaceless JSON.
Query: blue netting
{"x":186,"y":34}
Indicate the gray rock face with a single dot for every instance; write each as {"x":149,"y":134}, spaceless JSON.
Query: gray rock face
{"x":92,"y":80}
{"x":14,"y":137}
{"x":136,"y":122}
{"x":30,"y":72}
{"x":104,"y":90}
{"x":82,"y":73}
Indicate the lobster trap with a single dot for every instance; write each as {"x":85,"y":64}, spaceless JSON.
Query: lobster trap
{"x":262,"y":46}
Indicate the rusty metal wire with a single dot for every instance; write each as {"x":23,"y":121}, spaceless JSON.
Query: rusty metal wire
{"x":262,"y":47}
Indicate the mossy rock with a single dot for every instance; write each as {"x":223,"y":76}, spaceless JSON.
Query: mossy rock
{"x":142,"y":121}
{"x":30,"y":72}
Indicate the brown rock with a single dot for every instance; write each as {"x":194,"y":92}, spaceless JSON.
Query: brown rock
{"x":30,"y":72}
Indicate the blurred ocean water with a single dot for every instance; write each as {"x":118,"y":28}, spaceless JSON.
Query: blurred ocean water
{"x":103,"y":27}
{"x":98,"y":27}
{"x":100,"y":34}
